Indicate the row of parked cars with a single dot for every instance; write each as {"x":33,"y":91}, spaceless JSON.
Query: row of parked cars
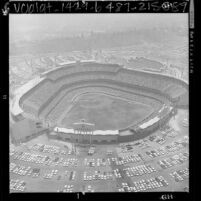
{"x":45,"y":148}
{"x":24,"y":170}
{"x":73,"y":162}
{"x":49,"y":175}
{"x":174,"y":160}
{"x":29,"y":157}
{"x":172,"y":147}
{"x":145,"y":143}
{"x":52,"y":149}
{"x":144,"y":185}
{"x":67,"y":189}
{"x":17,"y":185}
{"x":98,"y":176}
{"x":117,"y":173}
{"x":129,"y":147}
{"x":180,"y":175}
{"x":44,"y":159}
{"x":132,"y":158}
{"x":139,"y":170}
{"x":20,"y":169}
{"x":156,"y":152}
{"x":92,"y":162}
{"x":68,"y":174}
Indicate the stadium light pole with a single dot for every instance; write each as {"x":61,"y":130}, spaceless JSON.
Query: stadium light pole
{"x":78,"y":137}
{"x":90,"y":138}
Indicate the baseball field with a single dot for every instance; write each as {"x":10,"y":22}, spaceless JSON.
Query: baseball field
{"x":106,"y":112}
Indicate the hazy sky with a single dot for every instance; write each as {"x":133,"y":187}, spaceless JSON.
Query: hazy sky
{"x":51,"y":23}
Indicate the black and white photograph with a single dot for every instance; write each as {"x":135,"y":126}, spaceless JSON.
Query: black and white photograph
{"x":99,"y":103}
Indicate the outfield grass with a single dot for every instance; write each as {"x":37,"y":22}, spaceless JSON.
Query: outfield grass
{"x":106,"y":112}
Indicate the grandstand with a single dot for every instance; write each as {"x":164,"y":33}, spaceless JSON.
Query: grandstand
{"x":55,"y":93}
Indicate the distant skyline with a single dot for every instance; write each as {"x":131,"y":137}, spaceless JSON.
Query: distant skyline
{"x":37,"y":25}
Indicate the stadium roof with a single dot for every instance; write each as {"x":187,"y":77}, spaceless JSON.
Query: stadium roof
{"x":63,"y":130}
{"x":125,"y":133}
{"x":96,"y":132}
{"x":106,"y":132}
{"x":149,"y":123}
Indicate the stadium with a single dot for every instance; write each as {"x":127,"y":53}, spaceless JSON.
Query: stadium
{"x":97,"y":103}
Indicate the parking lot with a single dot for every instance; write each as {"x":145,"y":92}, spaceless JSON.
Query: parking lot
{"x":156,"y":163}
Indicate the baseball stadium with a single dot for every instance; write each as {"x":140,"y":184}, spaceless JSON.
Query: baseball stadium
{"x":95,"y":127}
{"x":90,"y":102}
